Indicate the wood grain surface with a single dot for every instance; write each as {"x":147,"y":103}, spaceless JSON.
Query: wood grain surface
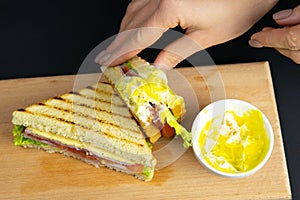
{"x":35,"y":174}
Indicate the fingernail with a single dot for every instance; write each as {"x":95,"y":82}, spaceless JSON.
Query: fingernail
{"x":102,"y":57}
{"x":255,"y":44}
{"x":282,"y":14}
{"x":99,"y":56}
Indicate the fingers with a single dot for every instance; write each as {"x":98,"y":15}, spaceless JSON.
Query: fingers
{"x":286,"y":40}
{"x":190,"y":43}
{"x":282,"y":38}
{"x":293,"y":55}
{"x":137,"y":12}
{"x":133,"y":40}
{"x":178,"y":50}
{"x":128,"y":44}
{"x":288,"y":17}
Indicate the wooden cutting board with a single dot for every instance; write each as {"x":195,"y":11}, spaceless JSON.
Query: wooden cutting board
{"x":34,"y":174}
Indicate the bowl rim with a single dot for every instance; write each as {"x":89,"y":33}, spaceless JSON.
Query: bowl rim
{"x":196,"y":133}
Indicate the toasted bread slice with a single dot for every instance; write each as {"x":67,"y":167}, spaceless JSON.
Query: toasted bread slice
{"x":92,"y":124}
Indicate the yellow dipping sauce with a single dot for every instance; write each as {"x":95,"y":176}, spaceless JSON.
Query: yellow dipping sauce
{"x":238,"y":144}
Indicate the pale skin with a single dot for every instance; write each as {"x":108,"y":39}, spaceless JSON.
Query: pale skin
{"x":206,"y":23}
{"x":285,"y":40}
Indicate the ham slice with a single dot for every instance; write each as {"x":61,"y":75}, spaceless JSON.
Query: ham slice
{"x":85,"y":154}
{"x":165,"y":129}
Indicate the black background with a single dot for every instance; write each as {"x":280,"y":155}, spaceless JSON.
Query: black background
{"x":43,"y":38}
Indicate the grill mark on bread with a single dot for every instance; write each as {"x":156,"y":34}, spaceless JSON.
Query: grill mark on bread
{"x":79,"y":125}
{"x":95,"y":98}
{"x":100,"y":90}
{"x":73,"y":92}
{"x":97,"y":120}
{"x":85,"y":100}
{"x":58,"y":98}
{"x":112,"y":92}
{"x":90,"y":87}
{"x":44,"y":115}
{"x":91,"y":107}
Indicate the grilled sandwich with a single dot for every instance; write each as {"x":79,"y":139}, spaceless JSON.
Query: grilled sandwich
{"x":145,"y":91}
{"x":93,"y":125}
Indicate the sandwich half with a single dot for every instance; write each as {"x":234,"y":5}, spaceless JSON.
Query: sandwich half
{"x":145,"y":90}
{"x":93,"y":125}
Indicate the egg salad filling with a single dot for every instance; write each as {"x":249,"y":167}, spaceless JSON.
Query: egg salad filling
{"x":238,"y":145}
{"x":149,"y":96}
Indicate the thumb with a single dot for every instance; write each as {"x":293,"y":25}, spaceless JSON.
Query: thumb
{"x":288,"y":17}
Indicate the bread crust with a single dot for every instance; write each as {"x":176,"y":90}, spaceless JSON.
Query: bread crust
{"x":95,"y":119}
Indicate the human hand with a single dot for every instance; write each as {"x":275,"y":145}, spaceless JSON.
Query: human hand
{"x":286,"y":40}
{"x":206,"y":23}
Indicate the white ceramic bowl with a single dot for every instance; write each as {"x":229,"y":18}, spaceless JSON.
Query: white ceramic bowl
{"x":215,"y":110}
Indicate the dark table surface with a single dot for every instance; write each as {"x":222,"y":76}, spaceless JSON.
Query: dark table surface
{"x":44,"y":38}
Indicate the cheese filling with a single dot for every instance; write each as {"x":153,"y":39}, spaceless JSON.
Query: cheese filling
{"x":82,"y":151}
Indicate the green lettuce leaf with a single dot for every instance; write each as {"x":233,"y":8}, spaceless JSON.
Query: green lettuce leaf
{"x":150,"y":145}
{"x":128,"y":64}
{"x":166,"y":116}
{"x":20,"y":140}
{"x":146,"y":171}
